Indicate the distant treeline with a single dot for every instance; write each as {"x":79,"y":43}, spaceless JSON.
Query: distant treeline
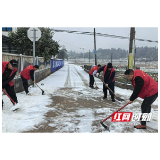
{"x":150,"y":53}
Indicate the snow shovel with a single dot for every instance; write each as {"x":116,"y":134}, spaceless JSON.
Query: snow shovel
{"x":40,"y":88}
{"x":96,"y":85}
{"x":10,"y":99}
{"x":111,"y":116}
{"x":118,"y":98}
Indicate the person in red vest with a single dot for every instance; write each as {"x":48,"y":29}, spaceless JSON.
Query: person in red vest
{"x":109,"y":79}
{"x":9,"y":70}
{"x":92,"y":72}
{"x":146,"y":88}
{"x":27,"y":74}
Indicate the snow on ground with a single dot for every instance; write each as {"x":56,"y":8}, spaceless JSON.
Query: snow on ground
{"x":32,"y":108}
{"x":69,"y":105}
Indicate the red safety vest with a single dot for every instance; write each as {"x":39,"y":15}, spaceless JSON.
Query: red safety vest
{"x":26,"y":72}
{"x":150,"y":86}
{"x":93,"y":69}
{"x":105,"y":68}
{"x":3,"y":69}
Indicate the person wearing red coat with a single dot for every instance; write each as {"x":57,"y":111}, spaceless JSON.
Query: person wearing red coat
{"x":146,"y":88}
{"x":109,"y":79}
{"x":27,"y":74}
{"x":9,"y":70}
{"x":92,"y":72}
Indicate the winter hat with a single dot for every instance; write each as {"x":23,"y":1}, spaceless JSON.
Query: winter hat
{"x":36,"y":66}
{"x":109,"y":65}
{"x":14,"y":63}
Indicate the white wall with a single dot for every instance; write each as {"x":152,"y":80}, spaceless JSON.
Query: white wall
{"x":5,"y":33}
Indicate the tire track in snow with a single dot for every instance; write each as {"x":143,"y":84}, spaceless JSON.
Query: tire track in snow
{"x":86,"y":83}
{"x":68,"y":81}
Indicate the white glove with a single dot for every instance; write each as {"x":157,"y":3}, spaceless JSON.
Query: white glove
{"x":106,"y":85}
{"x":97,"y":74}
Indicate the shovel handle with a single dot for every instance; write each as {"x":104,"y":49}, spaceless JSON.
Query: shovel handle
{"x":9,"y":97}
{"x":112,"y":91}
{"x":115,"y":111}
{"x":95,"y":82}
{"x":107,"y":86}
{"x":37,"y":85}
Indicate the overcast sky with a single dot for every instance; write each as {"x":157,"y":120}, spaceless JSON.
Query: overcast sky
{"x":74,"y":41}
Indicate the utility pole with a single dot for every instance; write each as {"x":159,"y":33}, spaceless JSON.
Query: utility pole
{"x":135,"y":57}
{"x":83,"y":54}
{"x":89,"y":56}
{"x":95,"y":47}
{"x":111,"y":57}
{"x":131,"y":47}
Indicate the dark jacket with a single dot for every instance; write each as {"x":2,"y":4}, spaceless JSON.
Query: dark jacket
{"x":7,"y":74}
{"x":107,"y":77}
{"x":150,"y":86}
{"x":139,"y":82}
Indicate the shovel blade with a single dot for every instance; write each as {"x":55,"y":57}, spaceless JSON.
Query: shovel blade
{"x":103,"y":125}
{"x":119,"y":99}
{"x":107,"y":128}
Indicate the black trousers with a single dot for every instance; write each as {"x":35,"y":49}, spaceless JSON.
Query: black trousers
{"x":111,"y":86}
{"x":146,"y":105}
{"x":10,"y":91}
{"x":25,"y":84}
{"x":91,"y":82}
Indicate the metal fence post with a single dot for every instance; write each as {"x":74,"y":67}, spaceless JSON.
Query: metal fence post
{"x":34,"y":36}
{"x":37,"y":59}
{"x":21,"y":62}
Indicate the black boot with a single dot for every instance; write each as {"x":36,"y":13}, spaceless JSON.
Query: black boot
{"x":105,"y":95}
{"x":112,"y":97}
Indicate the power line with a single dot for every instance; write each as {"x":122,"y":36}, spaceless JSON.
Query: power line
{"x":103,"y":35}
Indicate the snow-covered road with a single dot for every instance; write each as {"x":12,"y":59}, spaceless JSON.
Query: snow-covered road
{"x":70,"y":105}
